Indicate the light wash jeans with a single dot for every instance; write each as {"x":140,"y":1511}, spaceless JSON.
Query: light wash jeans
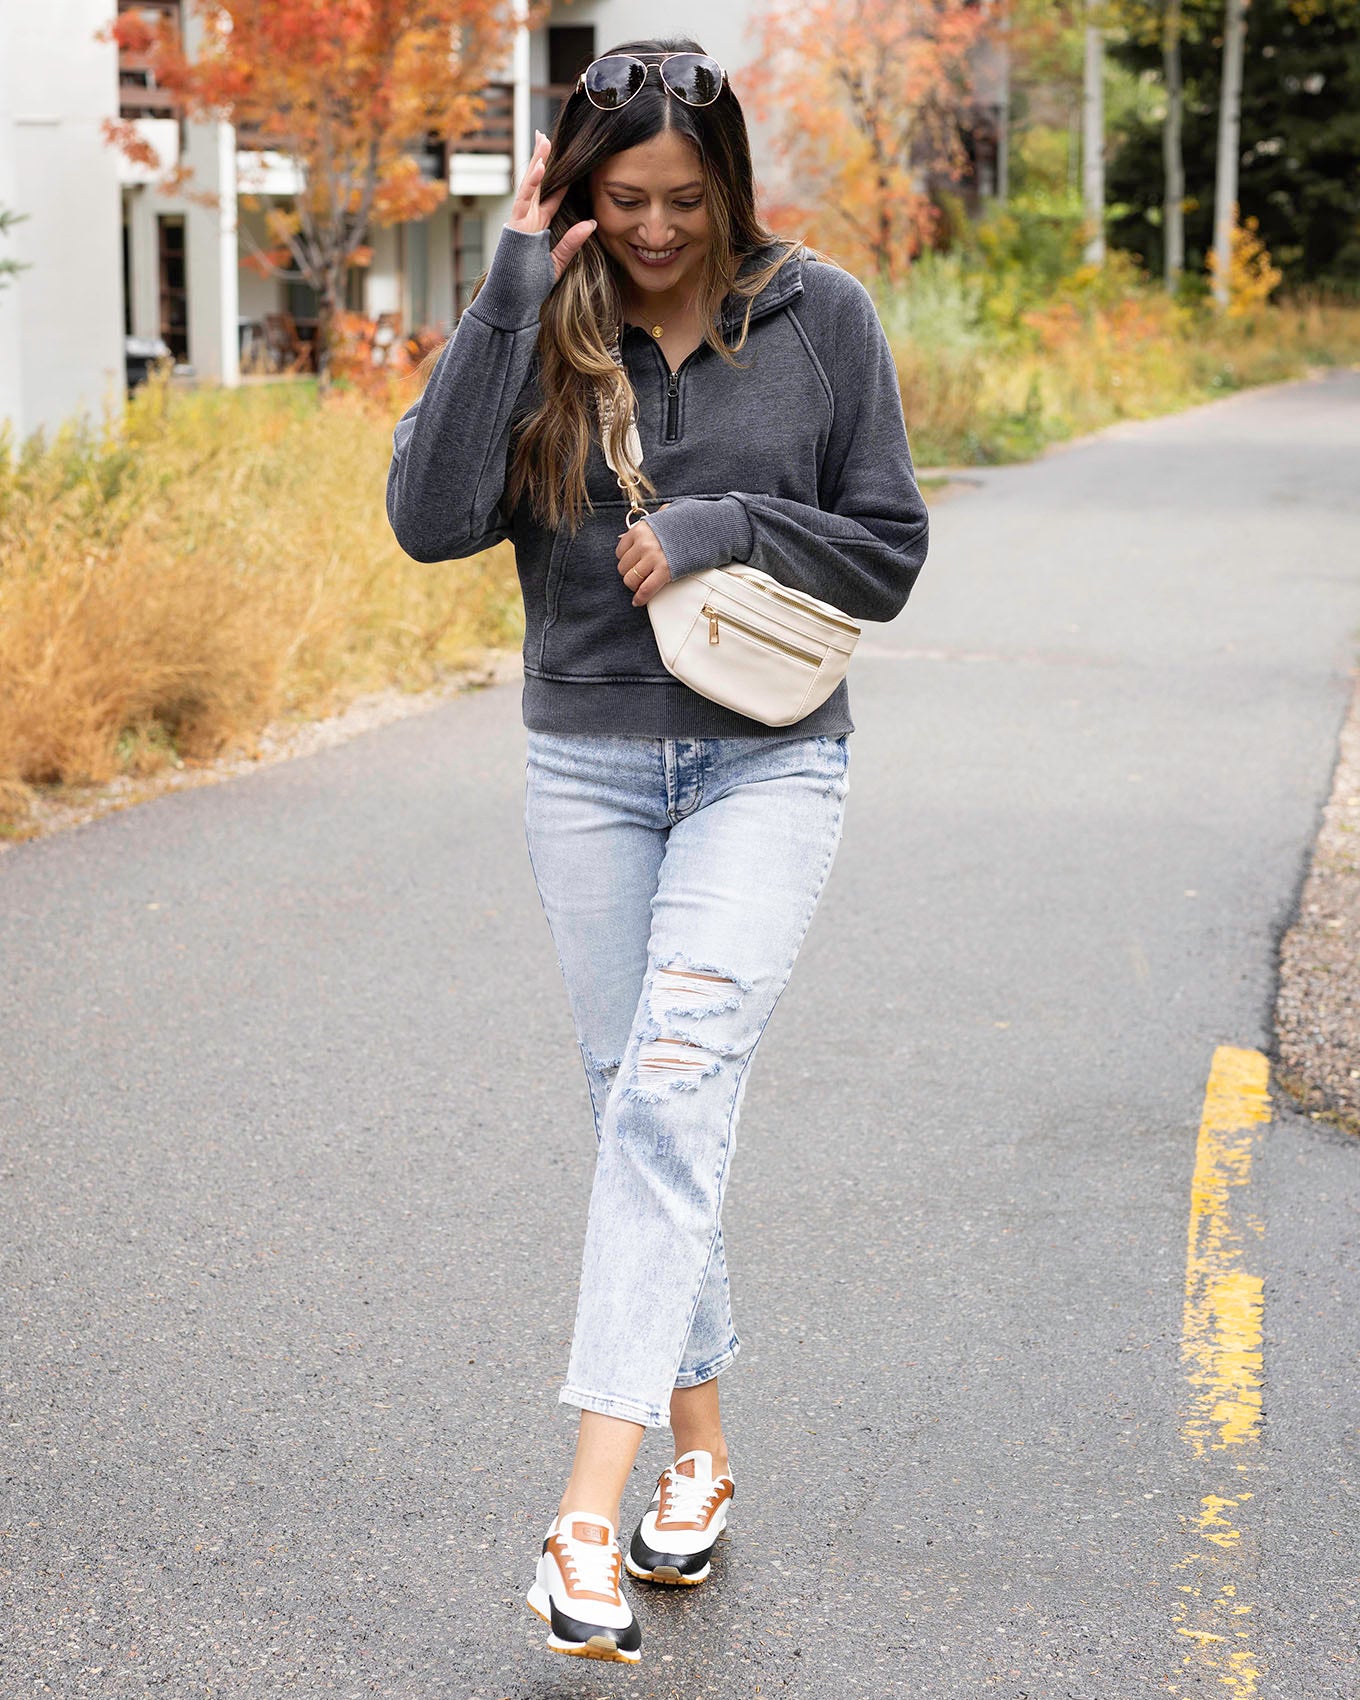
{"x":658,"y":860}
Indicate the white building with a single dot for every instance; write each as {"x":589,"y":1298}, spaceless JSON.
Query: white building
{"x":109,"y":257}
{"x":61,"y":319}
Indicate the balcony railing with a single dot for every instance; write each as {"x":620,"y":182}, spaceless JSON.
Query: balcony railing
{"x":545,"y":101}
{"x":138,"y":95}
{"x":254,"y":138}
{"x":494,"y":133}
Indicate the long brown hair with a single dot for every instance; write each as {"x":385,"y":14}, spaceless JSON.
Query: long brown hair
{"x":584,"y":310}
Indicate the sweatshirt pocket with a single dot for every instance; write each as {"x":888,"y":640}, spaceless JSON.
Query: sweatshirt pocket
{"x":591,"y":630}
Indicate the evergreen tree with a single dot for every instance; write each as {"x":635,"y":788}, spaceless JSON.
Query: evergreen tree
{"x":1300,"y":145}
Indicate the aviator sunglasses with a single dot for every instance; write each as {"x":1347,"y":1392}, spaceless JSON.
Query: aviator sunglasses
{"x":611,"y":82}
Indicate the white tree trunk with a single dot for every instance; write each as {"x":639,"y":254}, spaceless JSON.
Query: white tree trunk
{"x":1173,"y":158}
{"x":1229,"y":144}
{"x":1003,"y":121}
{"x":1093,"y":137}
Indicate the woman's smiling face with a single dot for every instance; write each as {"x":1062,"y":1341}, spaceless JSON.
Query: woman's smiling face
{"x":648,"y":203}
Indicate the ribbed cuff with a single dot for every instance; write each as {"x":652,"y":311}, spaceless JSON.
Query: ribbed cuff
{"x":519,"y":280}
{"x":703,"y":531}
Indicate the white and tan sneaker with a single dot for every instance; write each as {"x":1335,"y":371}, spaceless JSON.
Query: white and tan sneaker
{"x":674,"y":1541}
{"x":576,"y":1590}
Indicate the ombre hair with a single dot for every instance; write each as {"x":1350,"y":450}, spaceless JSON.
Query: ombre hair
{"x":584,"y":312}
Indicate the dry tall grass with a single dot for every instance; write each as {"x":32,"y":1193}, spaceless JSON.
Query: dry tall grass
{"x":1076,"y":366}
{"x":171,"y":582}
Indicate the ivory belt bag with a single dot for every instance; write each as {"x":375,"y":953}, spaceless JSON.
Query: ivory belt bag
{"x":736,"y":634}
{"x":739,"y":636}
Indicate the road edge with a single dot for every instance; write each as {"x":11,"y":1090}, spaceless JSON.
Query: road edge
{"x":1315,"y":1013}
{"x":280,"y":740}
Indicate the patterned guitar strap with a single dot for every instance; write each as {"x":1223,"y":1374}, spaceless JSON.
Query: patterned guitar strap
{"x":605,"y":407}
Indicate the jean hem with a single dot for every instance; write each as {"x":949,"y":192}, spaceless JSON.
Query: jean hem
{"x":707,"y":1371}
{"x":611,"y":1405}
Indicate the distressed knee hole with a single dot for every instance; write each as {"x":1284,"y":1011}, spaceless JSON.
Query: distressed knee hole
{"x":668,"y":1057}
{"x":673,"y":1056}
{"x":693,"y":991}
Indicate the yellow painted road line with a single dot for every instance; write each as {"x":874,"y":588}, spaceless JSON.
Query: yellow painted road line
{"x":1221,"y":1330}
{"x":1221,"y":1341}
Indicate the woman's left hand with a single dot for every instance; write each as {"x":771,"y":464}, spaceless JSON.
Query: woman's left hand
{"x":640,"y":548}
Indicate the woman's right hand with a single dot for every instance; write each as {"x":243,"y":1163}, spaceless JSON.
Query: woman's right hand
{"x":530,"y":214}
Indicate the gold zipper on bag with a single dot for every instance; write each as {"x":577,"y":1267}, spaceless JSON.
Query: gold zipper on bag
{"x":793,"y":602}
{"x":780,"y":593}
{"x":754,"y":632}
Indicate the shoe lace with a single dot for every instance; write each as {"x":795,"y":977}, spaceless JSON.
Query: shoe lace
{"x":592,"y":1565}
{"x":689,"y":1496}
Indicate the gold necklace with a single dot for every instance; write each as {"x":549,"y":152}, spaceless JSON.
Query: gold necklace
{"x":658,"y":329}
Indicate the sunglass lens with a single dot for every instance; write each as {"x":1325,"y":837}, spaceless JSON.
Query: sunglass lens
{"x":612,"y":81}
{"x":693,"y":77}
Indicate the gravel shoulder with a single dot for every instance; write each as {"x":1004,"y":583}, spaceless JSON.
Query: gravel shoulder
{"x":1317,"y":1005}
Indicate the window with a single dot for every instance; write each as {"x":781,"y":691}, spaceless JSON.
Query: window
{"x":174,"y":292}
{"x":469,"y":262}
{"x":418,"y":272}
{"x":571,"y":47}
{"x":127,"y":270}
{"x":301,"y":300}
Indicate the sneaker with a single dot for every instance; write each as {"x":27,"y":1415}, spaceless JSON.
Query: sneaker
{"x":576,"y":1590}
{"x":679,"y":1529}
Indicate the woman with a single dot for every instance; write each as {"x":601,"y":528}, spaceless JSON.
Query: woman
{"x":679,"y":848}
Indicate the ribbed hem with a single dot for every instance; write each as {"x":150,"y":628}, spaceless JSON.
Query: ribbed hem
{"x":664,"y":708}
{"x":519,"y":280}
{"x":702,"y":531}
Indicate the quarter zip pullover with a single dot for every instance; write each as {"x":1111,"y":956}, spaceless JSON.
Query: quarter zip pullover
{"x":673,"y":406}
{"x":796,"y":461}
{"x":673,"y":377}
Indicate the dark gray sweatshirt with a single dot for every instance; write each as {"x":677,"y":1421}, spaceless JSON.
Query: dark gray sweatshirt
{"x":798,"y":463}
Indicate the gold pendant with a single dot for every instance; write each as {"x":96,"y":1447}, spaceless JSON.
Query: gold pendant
{"x":656,"y":330}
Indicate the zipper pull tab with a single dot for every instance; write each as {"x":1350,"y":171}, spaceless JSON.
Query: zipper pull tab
{"x":674,"y":384}
{"x":712,"y":623}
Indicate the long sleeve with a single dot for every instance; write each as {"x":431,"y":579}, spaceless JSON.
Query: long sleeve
{"x":447,"y":477}
{"x":863,"y":547}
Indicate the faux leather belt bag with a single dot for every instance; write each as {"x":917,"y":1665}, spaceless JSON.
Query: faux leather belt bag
{"x":736,"y":634}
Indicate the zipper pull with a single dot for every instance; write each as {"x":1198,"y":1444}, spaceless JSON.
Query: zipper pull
{"x":674,"y":384}
{"x":712,"y":623}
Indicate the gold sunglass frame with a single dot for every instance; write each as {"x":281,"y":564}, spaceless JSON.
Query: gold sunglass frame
{"x":647,"y":68}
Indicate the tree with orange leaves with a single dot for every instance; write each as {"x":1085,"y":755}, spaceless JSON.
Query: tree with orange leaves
{"x":864,"y":96}
{"x":349,"y":89}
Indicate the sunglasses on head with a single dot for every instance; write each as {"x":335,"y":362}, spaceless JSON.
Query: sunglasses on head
{"x":611,"y":82}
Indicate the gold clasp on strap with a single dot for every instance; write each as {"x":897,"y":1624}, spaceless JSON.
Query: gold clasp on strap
{"x":636,"y":511}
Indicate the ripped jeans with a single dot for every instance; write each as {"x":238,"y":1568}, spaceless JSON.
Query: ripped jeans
{"x":678,"y":877}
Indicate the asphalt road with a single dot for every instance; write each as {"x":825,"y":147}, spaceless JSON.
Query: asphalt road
{"x":297,"y":1150}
